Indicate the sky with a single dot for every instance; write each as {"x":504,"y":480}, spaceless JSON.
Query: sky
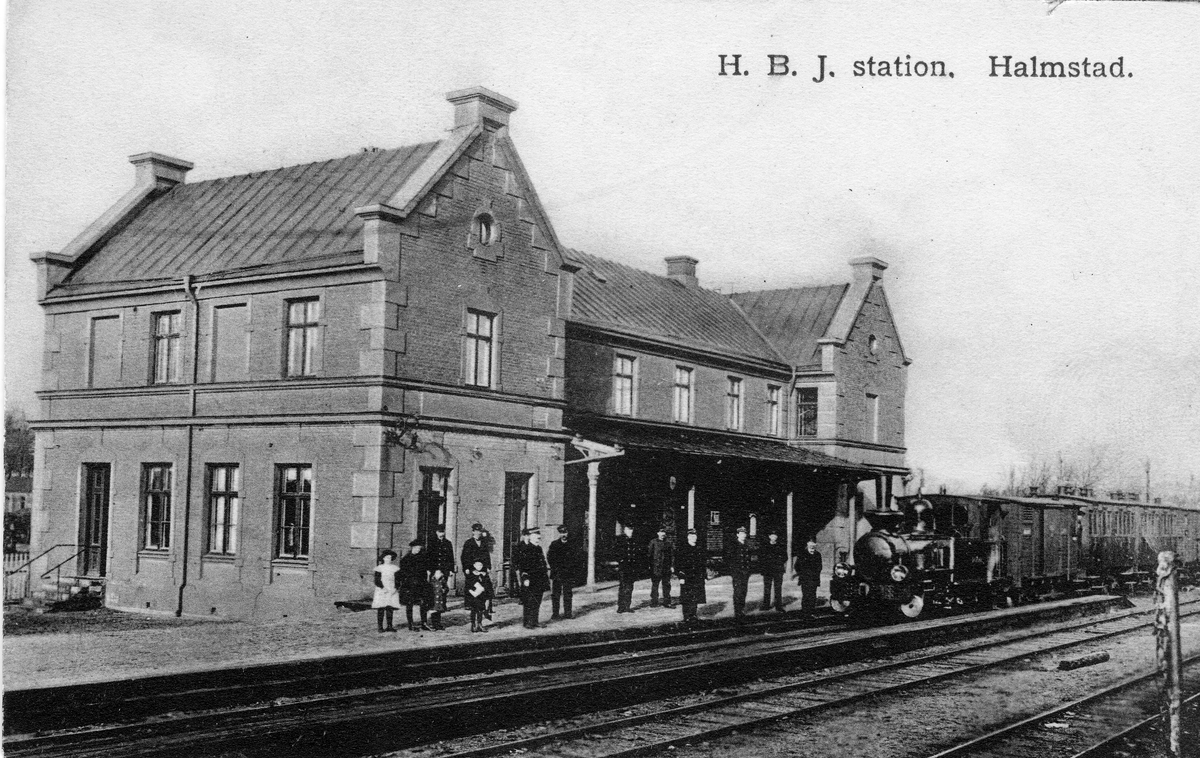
{"x":1043,"y":234}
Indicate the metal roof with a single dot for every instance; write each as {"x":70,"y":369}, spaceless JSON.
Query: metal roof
{"x":302,"y":214}
{"x":793,"y":319}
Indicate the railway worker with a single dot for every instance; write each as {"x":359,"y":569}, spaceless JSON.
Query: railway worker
{"x":532,"y":575}
{"x":441,"y":560}
{"x":478,"y":548}
{"x":478,"y":590}
{"x":691,"y":568}
{"x":741,"y":561}
{"x":413,"y":577}
{"x":630,"y":560}
{"x":387,"y":590}
{"x":566,"y":562}
{"x":661,"y":554}
{"x":808,"y":575}
{"x":772,"y":563}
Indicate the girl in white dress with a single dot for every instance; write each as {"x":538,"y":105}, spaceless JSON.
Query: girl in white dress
{"x":387,"y":595}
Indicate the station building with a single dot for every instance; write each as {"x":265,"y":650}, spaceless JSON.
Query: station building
{"x":253,"y":384}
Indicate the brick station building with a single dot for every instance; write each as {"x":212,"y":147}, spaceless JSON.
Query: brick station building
{"x":254,"y":384}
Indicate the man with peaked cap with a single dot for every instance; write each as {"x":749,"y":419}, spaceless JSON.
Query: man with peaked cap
{"x":772,"y":563}
{"x":808,"y":575}
{"x":532,"y":575}
{"x":741,"y":562}
{"x":413,"y":580}
{"x":478,"y":548}
{"x":630,"y":560}
{"x":441,"y":561}
{"x":661,"y":555}
{"x":566,"y":562}
{"x":691,"y":566}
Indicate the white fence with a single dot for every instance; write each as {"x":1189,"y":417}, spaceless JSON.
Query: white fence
{"x":16,"y":586}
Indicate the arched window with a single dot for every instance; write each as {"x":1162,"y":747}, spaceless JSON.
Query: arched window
{"x":486,"y":230}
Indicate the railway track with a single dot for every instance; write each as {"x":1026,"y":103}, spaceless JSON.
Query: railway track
{"x":659,"y":729}
{"x":379,"y":718}
{"x":1089,"y":726}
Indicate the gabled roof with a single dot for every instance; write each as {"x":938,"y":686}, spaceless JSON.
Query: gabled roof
{"x":299,"y":214}
{"x":793,"y":319}
{"x":620,"y":298}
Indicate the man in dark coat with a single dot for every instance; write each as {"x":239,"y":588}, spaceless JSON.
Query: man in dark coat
{"x":741,"y":562}
{"x":691,"y":568}
{"x":661,"y":553}
{"x":808,"y":575}
{"x":630,"y":560}
{"x":566,"y":561}
{"x":413,"y":580}
{"x":533,"y":575}
{"x":772,"y":563}
{"x":478,"y":548}
{"x":441,"y":562}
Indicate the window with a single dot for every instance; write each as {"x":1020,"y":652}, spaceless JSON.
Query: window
{"x":872,"y":418}
{"x":683,"y":395}
{"x":624,"y":395}
{"x":806,"y":412}
{"x":773,"y":415}
{"x":486,"y":230}
{"x":166,"y":348}
{"x":293,"y":517}
{"x":302,"y":324}
{"x":156,"y":506}
{"x":733,"y":404}
{"x":224,"y":488}
{"x":480,"y":336}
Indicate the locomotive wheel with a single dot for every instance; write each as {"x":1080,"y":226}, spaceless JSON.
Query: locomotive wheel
{"x":839,"y":606}
{"x":913,"y":607}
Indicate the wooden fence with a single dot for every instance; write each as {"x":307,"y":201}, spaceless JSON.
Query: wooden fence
{"x":16,"y":586}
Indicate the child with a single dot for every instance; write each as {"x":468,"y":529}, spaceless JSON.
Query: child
{"x":413,"y":579}
{"x":478,"y":593}
{"x":387,"y":596}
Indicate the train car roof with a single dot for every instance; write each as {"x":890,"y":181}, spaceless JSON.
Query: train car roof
{"x":1062,"y":501}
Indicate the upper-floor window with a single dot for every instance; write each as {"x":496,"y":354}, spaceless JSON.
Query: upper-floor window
{"x":486,"y":230}
{"x":871,"y":421}
{"x":165,"y":356}
{"x":624,"y":391}
{"x":224,"y":497}
{"x":480,"y":348}
{"x":733,"y":404}
{"x":806,"y":412}
{"x":293,"y":511}
{"x":303,"y":322}
{"x":773,"y":414}
{"x":156,"y":506}
{"x":684,"y":392}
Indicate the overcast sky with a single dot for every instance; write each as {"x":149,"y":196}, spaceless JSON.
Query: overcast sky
{"x":1043,"y":234}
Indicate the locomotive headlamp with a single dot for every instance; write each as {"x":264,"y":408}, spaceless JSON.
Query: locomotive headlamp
{"x":899,"y":573}
{"x":841,"y":571}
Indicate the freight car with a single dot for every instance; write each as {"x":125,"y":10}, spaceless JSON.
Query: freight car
{"x":951,"y":550}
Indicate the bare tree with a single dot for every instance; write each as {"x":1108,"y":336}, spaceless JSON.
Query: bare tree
{"x":18,"y":444}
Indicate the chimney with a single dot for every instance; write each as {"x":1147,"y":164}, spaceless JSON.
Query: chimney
{"x":159,"y":171}
{"x":479,"y":105}
{"x":868,"y":269}
{"x":682,"y":268}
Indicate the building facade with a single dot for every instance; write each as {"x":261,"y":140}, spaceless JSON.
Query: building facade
{"x":254,"y":384}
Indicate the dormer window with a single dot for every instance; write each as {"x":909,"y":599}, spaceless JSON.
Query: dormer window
{"x":486,"y":231}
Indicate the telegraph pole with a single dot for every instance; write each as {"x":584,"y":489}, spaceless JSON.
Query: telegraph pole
{"x":1166,"y":632}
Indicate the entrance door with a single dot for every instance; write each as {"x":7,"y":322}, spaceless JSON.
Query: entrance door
{"x":516,"y":515}
{"x":431,"y":501}
{"x":93,"y":521}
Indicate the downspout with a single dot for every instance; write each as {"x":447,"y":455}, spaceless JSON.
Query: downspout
{"x":191,"y":428}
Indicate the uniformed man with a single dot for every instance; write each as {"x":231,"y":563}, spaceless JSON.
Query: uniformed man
{"x":441,"y":558}
{"x":772,"y":563}
{"x":478,"y":548}
{"x":741,"y":560}
{"x":808,"y":575}
{"x":412,"y":577}
{"x":692,"y":570}
{"x":630,"y":560}
{"x":566,"y":561}
{"x":532,"y":575}
{"x":661,"y":555}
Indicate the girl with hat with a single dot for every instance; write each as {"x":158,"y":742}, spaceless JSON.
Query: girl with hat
{"x":387,"y":590}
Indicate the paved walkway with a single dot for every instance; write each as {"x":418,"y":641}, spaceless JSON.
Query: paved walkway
{"x":89,"y":656}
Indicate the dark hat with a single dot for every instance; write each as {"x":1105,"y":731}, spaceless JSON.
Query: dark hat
{"x":416,"y":543}
{"x":386,"y":553}
{"x":742,"y":530}
{"x":440,"y":528}
{"x":662,"y":527}
{"x":531,"y":530}
{"x":562,"y":529}
{"x":477,"y":527}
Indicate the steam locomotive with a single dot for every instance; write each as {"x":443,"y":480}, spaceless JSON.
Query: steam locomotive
{"x":952,"y":550}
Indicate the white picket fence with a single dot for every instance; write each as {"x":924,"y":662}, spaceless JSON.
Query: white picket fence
{"x":16,"y":586}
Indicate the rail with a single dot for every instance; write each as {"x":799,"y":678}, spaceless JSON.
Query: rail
{"x":21,"y":585}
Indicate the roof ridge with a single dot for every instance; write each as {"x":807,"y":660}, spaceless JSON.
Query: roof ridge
{"x":306,"y":164}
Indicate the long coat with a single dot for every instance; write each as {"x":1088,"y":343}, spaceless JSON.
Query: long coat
{"x":661,"y":554}
{"x":630,"y":558}
{"x":567,"y":562}
{"x":808,"y":567}
{"x":413,"y":578}
{"x":530,"y":563}
{"x":476,"y":551}
{"x":691,"y":566}
{"x":741,"y":559}
{"x":441,"y":555}
{"x":477,"y":589}
{"x":772,"y":559}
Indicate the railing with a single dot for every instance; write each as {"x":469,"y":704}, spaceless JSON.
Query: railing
{"x":16,"y":576}
{"x":24,"y":568}
{"x":56,"y":569}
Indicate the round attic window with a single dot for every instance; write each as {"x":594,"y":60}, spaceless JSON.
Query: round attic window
{"x":873,"y":344}
{"x":486,"y":230}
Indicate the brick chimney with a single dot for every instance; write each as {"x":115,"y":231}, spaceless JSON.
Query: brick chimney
{"x":479,"y":105}
{"x":161,"y":171}
{"x":682,"y":268}
{"x":868,"y":268}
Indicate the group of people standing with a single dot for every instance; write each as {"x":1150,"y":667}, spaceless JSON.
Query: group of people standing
{"x":420,"y":578}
